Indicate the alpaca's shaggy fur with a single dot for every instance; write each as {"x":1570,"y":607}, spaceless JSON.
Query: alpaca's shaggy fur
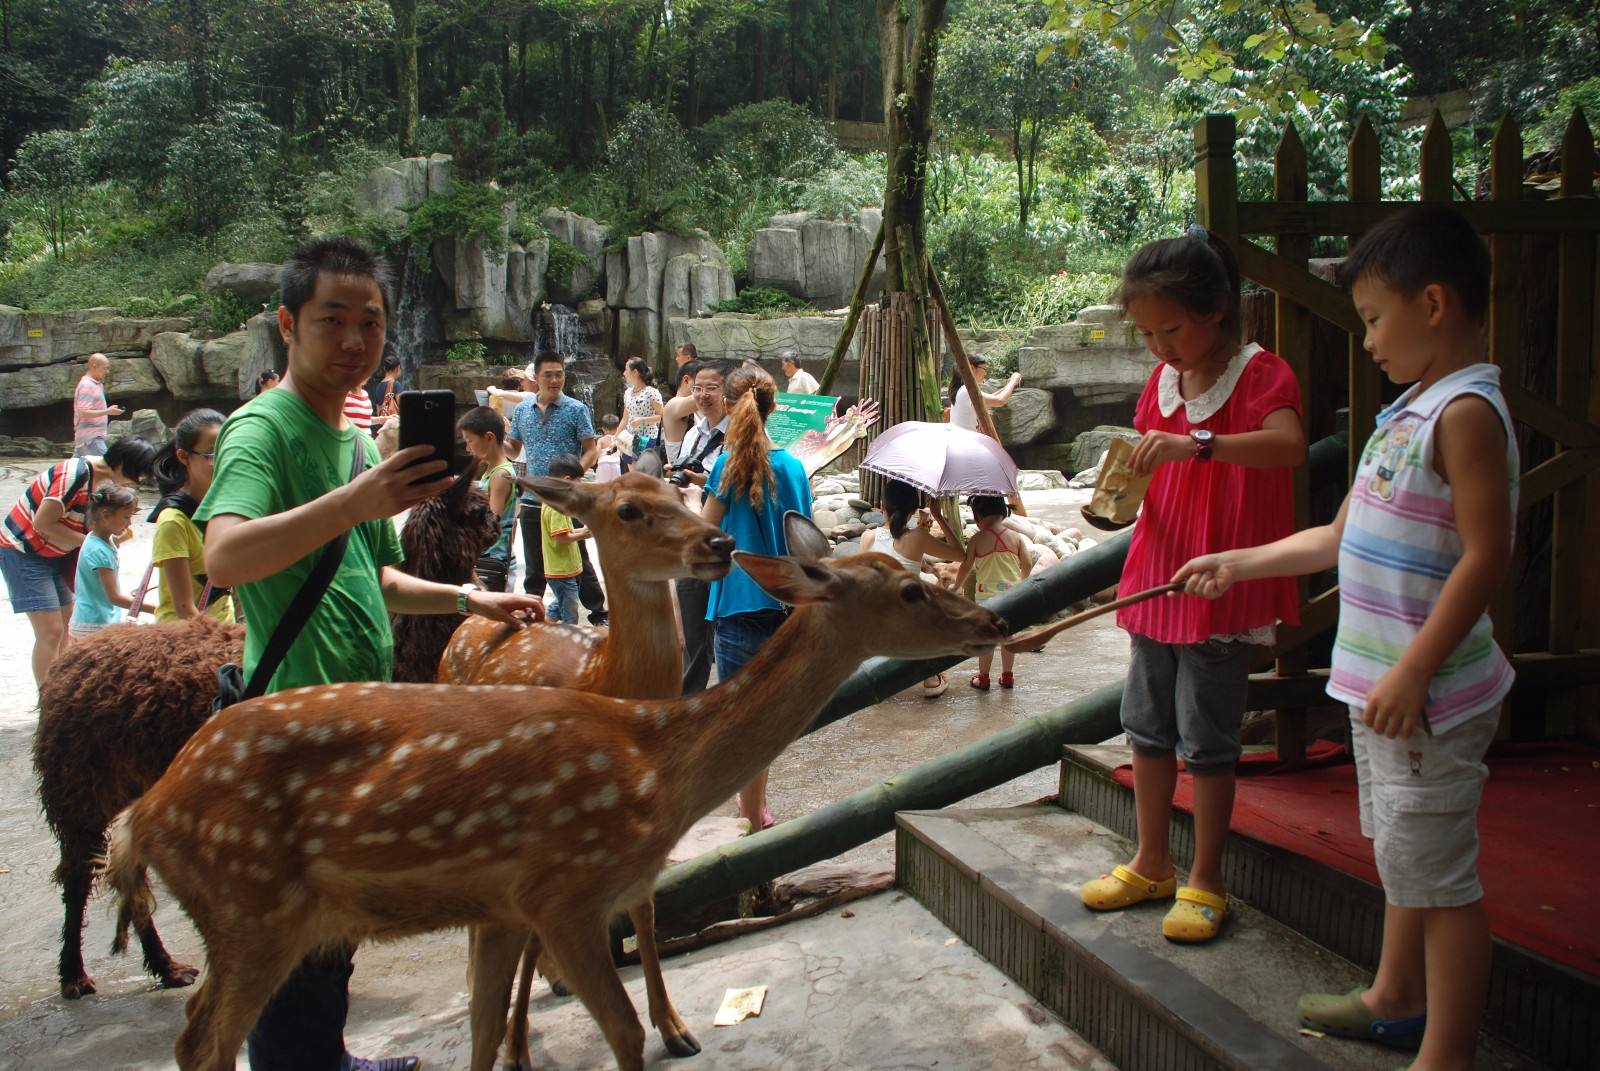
{"x":112,"y":714}
{"x":442,"y":539}
{"x":116,"y":709}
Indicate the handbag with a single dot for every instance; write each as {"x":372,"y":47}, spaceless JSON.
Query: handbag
{"x":492,"y":573}
{"x":231,"y":686}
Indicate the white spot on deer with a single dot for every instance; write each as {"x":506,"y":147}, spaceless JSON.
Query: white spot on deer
{"x":565,"y":771}
{"x":241,"y":750}
{"x":294,"y":781}
{"x":389,"y":807}
{"x":374,"y":751}
{"x":646,"y":785}
{"x":562,"y":815}
{"x":493,"y":790}
{"x":363,"y":790}
{"x":269,"y":742}
{"x":293,"y":728}
{"x":661,"y":718}
{"x":277,"y":706}
{"x":411,"y":792}
{"x":259,"y":839}
{"x":606,"y":797}
{"x":386,"y":836}
{"x":469,"y":823}
{"x":401,"y":752}
{"x":321,"y":734}
{"x":313,"y":793}
{"x":501,"y":813}
{"x":449,"y":743}
{"x":271,"y":803}
{"x":420,"y":833}
{"x":470,"y":758}
{"x":235,"y":867}
{"x":591,"y":834}
{"x":313,"y":845}
{"x":341,"y":820}
{"x":227,"y":773}
{"x":432,"y":740}
{"x":479,"y":853}
{"x":258,"y":872}
{"x":250,"y":790}
{"x":444,"y":818}
{"x":599,"y":761}
{"x":343,"y":766}
{"x":321,"y":818}
{"x":641,"y":711}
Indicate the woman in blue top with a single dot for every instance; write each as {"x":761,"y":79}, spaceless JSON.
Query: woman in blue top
{"x":748,"y":491}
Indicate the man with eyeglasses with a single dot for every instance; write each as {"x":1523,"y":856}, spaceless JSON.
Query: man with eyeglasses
{"x":701,"y":445}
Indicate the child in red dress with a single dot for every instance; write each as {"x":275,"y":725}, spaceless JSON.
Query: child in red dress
{"x":1221,"y":432}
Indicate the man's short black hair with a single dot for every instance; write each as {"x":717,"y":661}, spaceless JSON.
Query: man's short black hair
{"x":688,"y":348}
{"x":132,"y":456}
{"x":566,"y":465}
{"x":1418,"y":247}
{"x":723,"y":369}
{"x":549,"y":357}
{"x":481,"y":420}
{"x":336,"y":253}
{"x":688,"y":371}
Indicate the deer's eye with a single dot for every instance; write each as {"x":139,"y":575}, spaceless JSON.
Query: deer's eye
{"x":629,"y":512}
{"x":913,"y":592}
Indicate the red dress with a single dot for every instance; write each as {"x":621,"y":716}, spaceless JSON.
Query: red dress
{"x":1201,"y":507}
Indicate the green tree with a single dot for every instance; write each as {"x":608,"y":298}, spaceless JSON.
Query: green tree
{"x":1002,"y":69}
{"x":48,"y":179}
{"x":136,"y":111}
{"x":647,"y":162}
{"x":211,"y":167}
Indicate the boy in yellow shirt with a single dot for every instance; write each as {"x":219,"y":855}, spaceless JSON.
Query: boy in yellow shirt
{"x":559,"y":538}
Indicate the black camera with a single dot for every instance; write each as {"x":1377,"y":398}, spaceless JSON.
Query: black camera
{"x":680,"y":473}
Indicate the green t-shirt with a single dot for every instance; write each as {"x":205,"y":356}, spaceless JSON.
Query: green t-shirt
{"x":274,"y":454}
{"x":561,"y":560}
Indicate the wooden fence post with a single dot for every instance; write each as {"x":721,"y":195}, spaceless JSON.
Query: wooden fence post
{"x":1505,"y":330}
{"x":1438,"y":160}
{"x":1293,"y":344}
{"x":1366,"y":184}
{"x":1216,"y":176}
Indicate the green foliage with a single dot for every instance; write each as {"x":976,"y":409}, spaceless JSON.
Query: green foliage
{"x":762,"y":300}
{"x":773,"y":140}
{"x":466,"y":351}
{"x":1057,"y":298}
{"x":136,"y":110}
{"x":48,"y":179}
{"x":1119,"y":202}
{"x":564,"y":260}
{"x":646,"y":159}
{"x":841,"y":191}
{"x":1552,"y":126}
{"x":477,"y":132}
{"x":211,"y":165}
{"x":469,"y":210}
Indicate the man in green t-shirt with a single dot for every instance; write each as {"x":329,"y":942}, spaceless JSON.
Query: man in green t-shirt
{"x":282,"y":492}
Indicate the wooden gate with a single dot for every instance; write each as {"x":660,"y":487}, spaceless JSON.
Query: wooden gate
{"x":1562,"y":406}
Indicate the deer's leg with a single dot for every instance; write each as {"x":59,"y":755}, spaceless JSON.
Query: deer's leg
{"x":582,"y":947}
{"x":518,"y":1057}
{"x":674,"y":1031}
{"x":494,"y":953}
{"x":228,"y":1002}
{"x":76,"y":875}
{"x":173,"y":975}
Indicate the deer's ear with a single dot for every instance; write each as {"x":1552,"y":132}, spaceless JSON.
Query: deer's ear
{"x":790,"y":580}
{"x":805,"y":538}
{"x":568,"y":496}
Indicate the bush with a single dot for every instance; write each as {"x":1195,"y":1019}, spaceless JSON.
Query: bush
{"x":1120,"y":203}
{"x":470,"y":210}
{"x":466,"y":351}
{"x":212,"y":166}
{"x":647,"y":160}
{"x":1057,"y":298}
{"x":771,"y":140}
{"x":1552,"y":126}
{"x":48,"y":178}
{"x":762,"y":299}
{"x":842,"y":190}
{"x":564,"y":260}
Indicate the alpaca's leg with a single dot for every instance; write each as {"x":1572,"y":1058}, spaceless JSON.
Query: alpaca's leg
{"x":674,"y":1031}
{"x":583,"y":948}
{"x":495,"y":950}
{"x":76,"y":875}
{"x":172,"y":974}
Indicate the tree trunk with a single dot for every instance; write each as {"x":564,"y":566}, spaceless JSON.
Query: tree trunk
{"x":761,"y":63}
{"x":833,"y":59}
{"x":405,"y":71}
{"x":200,"y":86}
{"x":522,"y":75}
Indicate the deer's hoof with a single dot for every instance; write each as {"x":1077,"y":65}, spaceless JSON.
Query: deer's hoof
{"x":81,"y":986}
{"x":178,"y":975}
{"x":681,"y":1045}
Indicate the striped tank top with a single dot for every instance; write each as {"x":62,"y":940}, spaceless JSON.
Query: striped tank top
{"x":1400,"y":544}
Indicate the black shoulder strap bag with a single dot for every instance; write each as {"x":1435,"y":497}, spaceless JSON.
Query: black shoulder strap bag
{"x":231,"y":686}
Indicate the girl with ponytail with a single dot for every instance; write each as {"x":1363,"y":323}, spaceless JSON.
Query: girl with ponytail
{"x":748,"y":491}
{"x":183,"y":471}
{"x":100,"y":596}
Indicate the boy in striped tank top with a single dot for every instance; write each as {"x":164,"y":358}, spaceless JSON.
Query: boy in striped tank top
{"x":1422,"y":543}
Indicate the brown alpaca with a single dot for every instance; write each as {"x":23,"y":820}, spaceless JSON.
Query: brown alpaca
{"x":112,"y":713}
{"x":442,"y":539}
{"x":115,"y":710}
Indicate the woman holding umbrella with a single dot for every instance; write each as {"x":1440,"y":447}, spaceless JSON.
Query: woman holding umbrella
{"x":909,"y":541}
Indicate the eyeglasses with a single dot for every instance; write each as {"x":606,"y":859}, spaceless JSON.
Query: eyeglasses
{"x":708,"y":390}
{"x":209,"y":457}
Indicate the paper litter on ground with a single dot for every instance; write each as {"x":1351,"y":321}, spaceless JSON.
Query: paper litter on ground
{"x":740,"y":1004}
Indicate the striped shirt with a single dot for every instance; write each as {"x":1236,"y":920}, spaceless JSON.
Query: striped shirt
{"x":67,"y":481}
{"x":358,"y":409}
{"x":1400,"y":545}
{"x":89,"y":394}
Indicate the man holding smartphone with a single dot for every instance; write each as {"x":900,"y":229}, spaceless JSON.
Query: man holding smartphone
{"x":282,"y":492}
{"x":702,"y":443}
{"x":547,"y":424}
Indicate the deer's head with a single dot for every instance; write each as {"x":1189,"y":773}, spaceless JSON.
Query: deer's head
{"x":645,"y":521}
{"x":888,"y":610}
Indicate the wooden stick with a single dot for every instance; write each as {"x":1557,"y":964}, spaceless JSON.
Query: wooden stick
{"x":857,"y":301}
{"x":1036,"y":637}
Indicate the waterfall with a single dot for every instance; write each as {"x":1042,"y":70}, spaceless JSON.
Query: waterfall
{"x":559,"y":329}
{"x":411,"y":321}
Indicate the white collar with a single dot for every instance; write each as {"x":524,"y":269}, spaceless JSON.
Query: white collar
{"x":1169,"y":394}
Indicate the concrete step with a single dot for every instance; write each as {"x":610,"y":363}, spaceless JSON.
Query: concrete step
{"x":1542,"y":1008}
{"x":1006,"y":881}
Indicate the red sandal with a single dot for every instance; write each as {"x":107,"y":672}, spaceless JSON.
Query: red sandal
{"x":980,"y":681}
{"x":1007,"y":681}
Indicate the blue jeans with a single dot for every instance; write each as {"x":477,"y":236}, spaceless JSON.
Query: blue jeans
{"x":740,"y":636}
{"x":35,"y":582}
{"x":302,"y":1026}
{"x":563,"y":608}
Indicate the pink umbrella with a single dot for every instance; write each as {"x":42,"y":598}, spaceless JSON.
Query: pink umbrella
{"x":941,"y":459}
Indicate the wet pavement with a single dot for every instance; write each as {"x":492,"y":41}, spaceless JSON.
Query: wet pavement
{"x":412,"y":991}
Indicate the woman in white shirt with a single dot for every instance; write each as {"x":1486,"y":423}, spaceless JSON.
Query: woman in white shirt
{"x":962,"y":413}
{"x":641,"y":409}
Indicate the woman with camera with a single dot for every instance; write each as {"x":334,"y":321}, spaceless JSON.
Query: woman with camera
{"x":748,"y":490}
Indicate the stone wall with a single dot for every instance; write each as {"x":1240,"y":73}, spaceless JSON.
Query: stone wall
{"x":741,"y":336}
{"x":655,"y":277}
{"x":816,"y":259}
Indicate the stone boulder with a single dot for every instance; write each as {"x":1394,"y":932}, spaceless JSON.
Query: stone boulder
{"x":27,"y":446}
{"x":489,"y":294}
{"x":732,"y":336}
{"x":251,"y":283}
{"x":176,"y":357}
{"x":1090,"y":446}
{"x":1028,"y":417}
{"x":53,"y":384}
{"x":666,"y":275}
{"x":590,"y":239}
{"x":813,"y":258}
{"x":392,"y":190}
{"x":30,"y":338}
{"x":192,"y":369}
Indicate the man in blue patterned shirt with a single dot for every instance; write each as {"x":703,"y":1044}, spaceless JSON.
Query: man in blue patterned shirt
{"x":545,"y":425}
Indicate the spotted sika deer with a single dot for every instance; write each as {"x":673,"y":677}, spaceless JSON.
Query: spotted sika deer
{"x":646,"y":538}
{"x":287,"y":824}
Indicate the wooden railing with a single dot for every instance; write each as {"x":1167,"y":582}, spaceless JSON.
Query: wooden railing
{"x":1569,"y":661}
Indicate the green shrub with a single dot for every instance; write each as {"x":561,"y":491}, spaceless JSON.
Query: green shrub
{"x":647,"y":162}
{"x":842,"y":190}
{"x":1552,"y":126}
{"x":470,"y":210}
{"x":565,"y":259}
{"x":1121,"y":201}
{"x":770,"y":140}
{"x":1056,"y":299}
{"x":466,"y":351}
{"x":761,"y":299}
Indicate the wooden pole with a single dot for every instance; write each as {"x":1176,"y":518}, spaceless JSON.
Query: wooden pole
{"x":1366,"y":184}
{"x":1505,"y":336}
{"x":963,"y":367}
{"x":857,"y":301}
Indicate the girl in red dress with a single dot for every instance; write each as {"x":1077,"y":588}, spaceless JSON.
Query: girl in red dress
{"x":1221,"y":432}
